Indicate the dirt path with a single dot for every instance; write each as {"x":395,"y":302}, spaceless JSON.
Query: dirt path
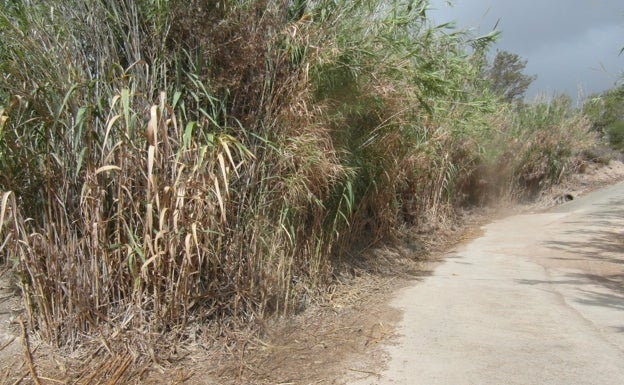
{"x":11,"y":359}
{"x":539,"y":299}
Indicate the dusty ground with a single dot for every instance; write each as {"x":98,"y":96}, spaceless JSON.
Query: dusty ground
{"x":10,"y":344}
{"x":341,"y":334}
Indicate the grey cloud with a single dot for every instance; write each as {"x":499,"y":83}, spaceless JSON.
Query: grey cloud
{"x":568,"y":43}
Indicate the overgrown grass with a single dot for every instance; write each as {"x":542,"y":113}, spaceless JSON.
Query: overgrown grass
{"x":173,"y":162}
{"x":533,"y":146}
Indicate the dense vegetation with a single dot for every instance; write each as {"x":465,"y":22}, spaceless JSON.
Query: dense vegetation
{"x":606,"y":113}
{"x":166,"y":162}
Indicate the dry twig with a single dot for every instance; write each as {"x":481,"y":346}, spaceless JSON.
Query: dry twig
{"x":9,"y":342}
{"x":27,"y":353}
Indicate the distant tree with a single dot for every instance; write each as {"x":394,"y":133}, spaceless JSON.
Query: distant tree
{"x":506,"y":76}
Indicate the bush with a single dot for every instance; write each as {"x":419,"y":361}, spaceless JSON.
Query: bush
{"x":543,"y":141}
{"x":615,"y":134}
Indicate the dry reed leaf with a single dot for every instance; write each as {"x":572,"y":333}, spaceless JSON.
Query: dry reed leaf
{"x":107,"y":168}
{"x":3,"y":209}
{"x":194,"y":232}
{"x":162,"y":218}
{"x":220,"y":199}
{"x":144,"y":267}
{"x":109,"y":127}
{"x":226,"y":148}
{"x":180,"y":198}
{"x":111,"y":154}
{"x":4,"y":112}
{"x":151,"y":132}
{"x":150,"y":164}
{"x":149,"y":219}
{"x":223,"y":172}
{"x":3,"y":120}
{"x":5,"y":198}
{"x":187,"y":246}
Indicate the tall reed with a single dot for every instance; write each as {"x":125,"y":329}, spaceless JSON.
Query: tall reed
{"x":168,"y":162}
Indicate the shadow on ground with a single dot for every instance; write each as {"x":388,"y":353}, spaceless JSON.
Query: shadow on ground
{"x":594,"y":257}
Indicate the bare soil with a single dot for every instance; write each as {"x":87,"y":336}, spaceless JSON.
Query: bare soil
{"x":12,"y":363}
{"x":342,"y":333}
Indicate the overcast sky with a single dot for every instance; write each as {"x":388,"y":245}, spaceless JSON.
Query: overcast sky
{"x":571,"y":45}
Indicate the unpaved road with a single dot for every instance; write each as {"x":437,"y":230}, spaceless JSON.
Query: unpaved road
{"x":539,"y":299}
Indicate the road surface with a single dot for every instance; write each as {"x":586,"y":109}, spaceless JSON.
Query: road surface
{"x":539,"y":299}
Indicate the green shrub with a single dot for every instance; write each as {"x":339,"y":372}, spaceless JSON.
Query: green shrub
{"x":542,"y":142}
{"x":615,"y":134}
